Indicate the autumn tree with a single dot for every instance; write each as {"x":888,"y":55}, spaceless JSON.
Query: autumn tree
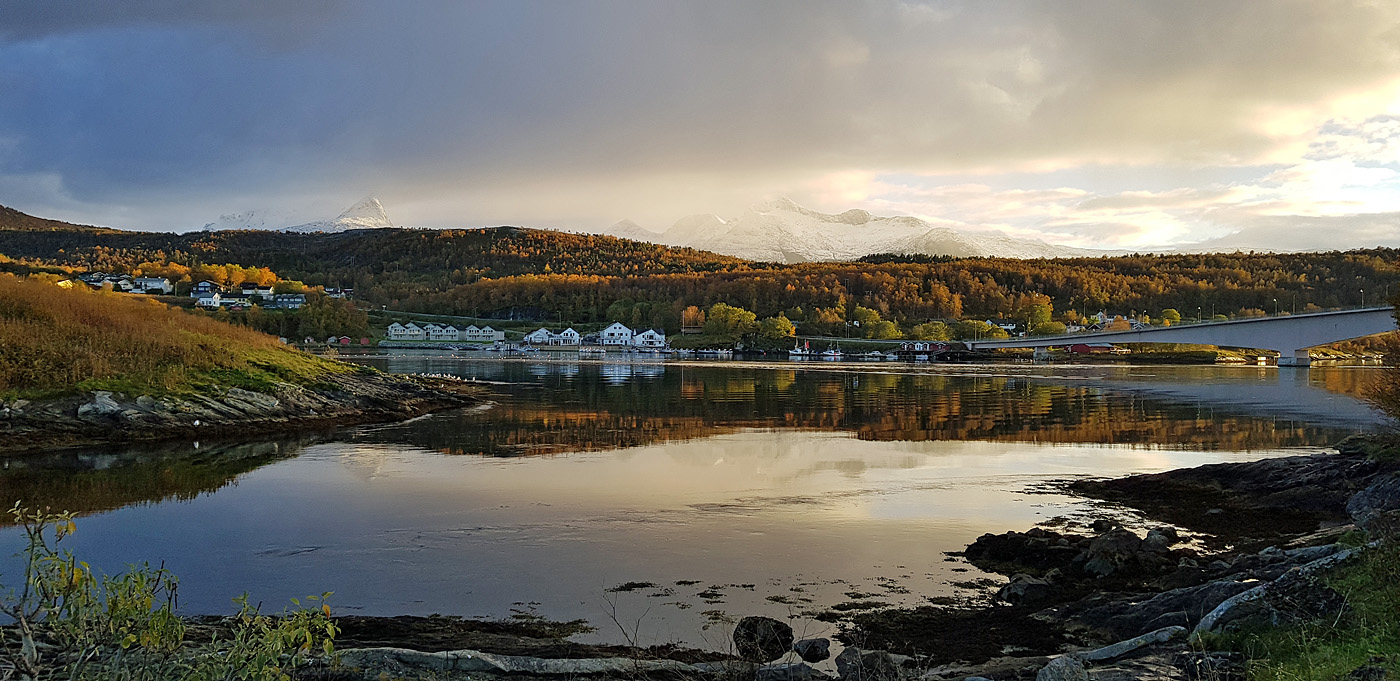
{"x":693,"y":318}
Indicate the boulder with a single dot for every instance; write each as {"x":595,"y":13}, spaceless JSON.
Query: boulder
{"x":1377,"y":500}
{"x":1065,"y":668}
{"x":762,"y":639}
{"x":813,"y":649}
{"x":1024,"y":589}
{"x":1160,"y":540}
{"x":1111,"y":551}
{"x":875,"y":665}
{"x":102,"y":404}
{"x":790,"y":671}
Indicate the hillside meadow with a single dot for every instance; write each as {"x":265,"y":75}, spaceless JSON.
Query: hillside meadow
{"x":56,"y":341}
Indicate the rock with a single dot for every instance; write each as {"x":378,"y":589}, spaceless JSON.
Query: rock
{"x":1124,"y":647}
{"x":813,"y":649}
{"x":876,"y":665}
{"x":1065,"y":668}
{"x":1380,"y":498}
{"x":1024,"y":589}
{"x":1369,"y":672}
{"x":1103,"y":525}
{"x":1111,"y":551}
{"x":1298,"y":595}
{"x":102,"y":404}
{"x":1160,"y":540}
{"x":791,"y":671}
{"x":259,"y":400}
{"x":762,"y":639}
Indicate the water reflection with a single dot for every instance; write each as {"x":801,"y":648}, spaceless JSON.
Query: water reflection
{"x":736,"y":489}
{"x":549,"y":408}
{"x":91,"y":481}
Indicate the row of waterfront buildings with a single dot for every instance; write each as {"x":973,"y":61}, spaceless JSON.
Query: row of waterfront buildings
{"x":615,"y":335}
{"x":443,"y":332}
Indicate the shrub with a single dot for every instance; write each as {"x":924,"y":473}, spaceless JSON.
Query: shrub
{"x":70,"y":623}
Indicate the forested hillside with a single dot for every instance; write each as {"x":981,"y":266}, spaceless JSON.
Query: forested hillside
{"x":546,"y":275}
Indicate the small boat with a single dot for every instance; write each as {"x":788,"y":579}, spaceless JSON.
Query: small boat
{"x":891,"y":356}
{"x":803,"y":351}
{"x":833,"y":354}
{"x":874,"y":355}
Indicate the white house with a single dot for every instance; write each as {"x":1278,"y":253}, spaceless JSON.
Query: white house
{"x":152,"y":285}
{"x":412,"y":331}
{"x":396,"y":331}
{"x":651,"y":338}
{"x":567,"y":337}
{"x":204,"y":287}
{"x":616,"y":334}
{"x":234,"y":300}
{"x":210,"y":300}
{"x":540,"y":336}
{"x":484,"y":334}
{"x":442,"y":333}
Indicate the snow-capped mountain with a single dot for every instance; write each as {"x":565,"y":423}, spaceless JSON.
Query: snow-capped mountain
{"x":254,"y":219}
{"x":368,"y":213}
{"x":782,"y":231}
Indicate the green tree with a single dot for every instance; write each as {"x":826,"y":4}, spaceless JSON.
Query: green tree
{"x":931,"y":331}
{"x":1171,"y":316}
{"x":1037,"y":314}
{"x":883,"y":330}
{"x":728,"y":321}
{"x":1048,"y":329}
{"x":775,"y":328}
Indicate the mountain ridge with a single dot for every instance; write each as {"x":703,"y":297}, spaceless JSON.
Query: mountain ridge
{"x":783,"y":231}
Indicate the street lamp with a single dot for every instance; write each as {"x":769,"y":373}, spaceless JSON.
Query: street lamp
{"x":1275,"y":307}
{"x":1198,"y":314}
{"x":1363,"y":297}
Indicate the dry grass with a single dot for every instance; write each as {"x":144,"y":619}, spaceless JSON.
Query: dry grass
{"x":55,"y":340}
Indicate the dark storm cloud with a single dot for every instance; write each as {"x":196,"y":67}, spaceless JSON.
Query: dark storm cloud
{"x":522,"y":110}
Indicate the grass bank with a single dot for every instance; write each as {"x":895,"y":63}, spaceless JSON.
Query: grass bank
{"x":56,"y":341}
{"x":1366,"y":634}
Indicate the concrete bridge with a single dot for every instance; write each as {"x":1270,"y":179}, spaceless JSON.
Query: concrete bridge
{"x":1290,"y":335}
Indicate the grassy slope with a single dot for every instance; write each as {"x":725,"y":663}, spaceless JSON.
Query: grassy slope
{"x":56,"y":341}
{"x":1329,"y":649}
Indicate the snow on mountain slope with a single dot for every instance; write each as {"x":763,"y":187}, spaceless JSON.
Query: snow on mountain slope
{"x":253,"y":219}
{"x":782,"y":231}
{"x":368,"y":213}
{"x":626,"y":229}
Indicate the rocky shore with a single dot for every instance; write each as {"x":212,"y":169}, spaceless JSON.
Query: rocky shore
{"x":101,"y":417}
{"x":1099,"y":603}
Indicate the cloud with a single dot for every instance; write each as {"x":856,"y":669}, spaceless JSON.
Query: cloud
{"x":573,"y":114}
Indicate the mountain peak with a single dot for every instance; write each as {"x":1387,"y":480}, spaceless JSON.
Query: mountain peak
{"x":367,"y":213}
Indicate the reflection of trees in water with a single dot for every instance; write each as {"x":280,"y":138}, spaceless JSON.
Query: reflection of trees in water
{"x":89,"y":482}
{"x":590,"y":413}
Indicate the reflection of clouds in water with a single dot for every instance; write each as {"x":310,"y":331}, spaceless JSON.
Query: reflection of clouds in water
{"x":368,"y":462}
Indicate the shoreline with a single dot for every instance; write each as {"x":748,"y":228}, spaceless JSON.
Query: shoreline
{"x":99,"y":418}
{"x":1114,"y":602}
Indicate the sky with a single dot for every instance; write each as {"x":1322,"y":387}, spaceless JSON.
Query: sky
{"x":1110,"y":124}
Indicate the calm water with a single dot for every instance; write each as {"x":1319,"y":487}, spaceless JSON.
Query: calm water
{"x":724,"y":489}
